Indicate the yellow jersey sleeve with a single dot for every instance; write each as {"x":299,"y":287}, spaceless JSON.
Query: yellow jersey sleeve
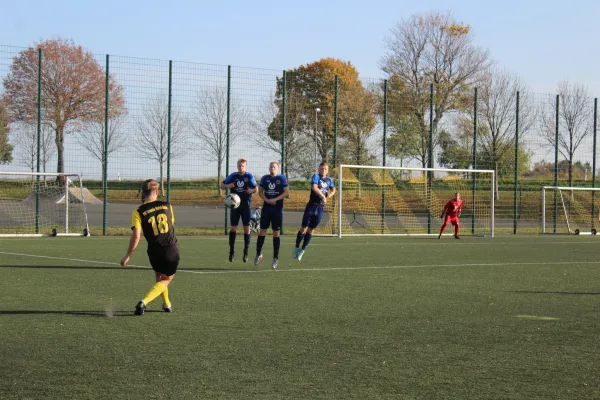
{"x":136,"y":221}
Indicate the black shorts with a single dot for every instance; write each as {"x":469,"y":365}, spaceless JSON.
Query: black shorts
{"x":243,"y":212}
{"x":164,"y":259}
{"x":271,"y":216}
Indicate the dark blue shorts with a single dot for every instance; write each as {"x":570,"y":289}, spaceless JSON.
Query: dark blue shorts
{"x":312,"y":215}
{"x":242,"y":211}
{"x":271,"y":216}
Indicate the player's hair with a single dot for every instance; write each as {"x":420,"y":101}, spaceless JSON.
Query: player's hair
{"x":241,"y":160}
{"x":148,"y":187}
{"x":274,"y":162}
{"x":324,"y":164}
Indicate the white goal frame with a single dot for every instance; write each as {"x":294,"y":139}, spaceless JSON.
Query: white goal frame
{"x":339,"y":194}
{"x":67,"y":176}
{"x":562,"y":205}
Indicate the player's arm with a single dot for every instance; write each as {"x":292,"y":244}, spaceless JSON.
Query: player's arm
{"x":136,"y":229}
{"x":459,"y":210}
{"x":444,"y":211}
{"x":133,"y":242}
{"x":253,"y":186}
{"x":261,"y":193}
{"x":331,"y":192}
{"x":227,"y":183}
{"x":317,"y":191}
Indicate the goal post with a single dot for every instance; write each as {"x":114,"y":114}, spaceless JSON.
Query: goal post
{"x":42,"y":204}
{"x":570,"y":210}
{"x":374,"y":200}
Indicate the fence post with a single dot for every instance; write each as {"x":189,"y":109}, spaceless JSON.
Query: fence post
{"x":169,"y":109}
{"x":385,"y":82}
{"x":105,"y":150}
{"x":474,"y":176}
{"x":228,"y":144}
{"x":594,"y":164}
{"x":283,"y":117}
{"x":335,"y":121}
{"x":430,"y":160}
{"x":39,"y":136}
{"x":515,"y":209}
{"x":556,"y":164}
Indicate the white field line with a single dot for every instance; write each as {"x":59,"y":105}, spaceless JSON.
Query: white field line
{"x":316,"y":269}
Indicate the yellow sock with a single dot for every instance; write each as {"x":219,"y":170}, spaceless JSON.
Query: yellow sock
{"x":165,"y":297}
{"x":156,"y":290}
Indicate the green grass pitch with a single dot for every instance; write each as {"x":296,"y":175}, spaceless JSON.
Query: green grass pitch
{"x":357,"y":318}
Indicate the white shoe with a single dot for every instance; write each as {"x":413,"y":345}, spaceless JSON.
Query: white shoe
{"x":257,"y":259}
{"x":295,"y":253}
{"x":274,"y":264}
{"x":300,"y":254}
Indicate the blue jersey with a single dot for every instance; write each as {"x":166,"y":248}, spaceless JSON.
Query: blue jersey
{"x":324,"y":185}
{"x":242,"y":184}
{"x":273,"y":187}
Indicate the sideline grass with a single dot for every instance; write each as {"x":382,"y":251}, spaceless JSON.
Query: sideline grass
{"x":358,"y":318}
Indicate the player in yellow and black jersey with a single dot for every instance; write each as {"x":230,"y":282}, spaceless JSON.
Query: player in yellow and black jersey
{"x":156,"y":220}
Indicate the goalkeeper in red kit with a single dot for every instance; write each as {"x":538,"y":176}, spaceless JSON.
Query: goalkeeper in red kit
{"x":451,"y":213}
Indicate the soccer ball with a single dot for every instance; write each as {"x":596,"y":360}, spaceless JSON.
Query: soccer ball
{"x":232,"y":200}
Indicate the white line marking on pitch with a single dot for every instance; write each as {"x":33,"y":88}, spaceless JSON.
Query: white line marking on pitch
{"x":315,"y":269}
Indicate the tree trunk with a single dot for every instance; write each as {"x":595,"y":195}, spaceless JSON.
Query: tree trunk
{"x":219,"y":171}
{"x":162,"y":183}
{"x":60,"y":166}
{"x":571,"y":171}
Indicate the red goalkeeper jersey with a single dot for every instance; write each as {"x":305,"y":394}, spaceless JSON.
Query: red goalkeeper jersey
{"x":453,"y":208}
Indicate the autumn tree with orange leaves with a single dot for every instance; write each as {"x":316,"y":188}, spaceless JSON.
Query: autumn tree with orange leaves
{"x":72,"y":86}
{"x":311,"y":87}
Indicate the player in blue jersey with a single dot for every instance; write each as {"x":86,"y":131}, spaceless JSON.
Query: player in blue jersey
{"x":321,"y":190}
{"x":273,"y":188}
{"x":243,"y":184}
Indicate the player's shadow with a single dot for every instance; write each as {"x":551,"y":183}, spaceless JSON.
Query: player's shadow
{"x":115,"y":267}
{"x":97,"y":314}
{"x":550,"y":292}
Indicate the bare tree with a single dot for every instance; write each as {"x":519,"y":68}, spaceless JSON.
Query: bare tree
{"x":497,"y":100}
{"x":358,"y":126}
{"x":431,"y":49}
{"x":152,"y":129}
{"x":25,"y":138}
{"x":73,"y":89}
{"x":209,"y":124}
{"x":575,"y":120}
{"x":91,"y":137}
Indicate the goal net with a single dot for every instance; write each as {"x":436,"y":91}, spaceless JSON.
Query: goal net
{"x":409,"y":201}
{"x":570,"y":210}
{"x":42,"y":204}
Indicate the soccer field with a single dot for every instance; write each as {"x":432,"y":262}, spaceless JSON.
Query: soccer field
{"x":357,"y":318}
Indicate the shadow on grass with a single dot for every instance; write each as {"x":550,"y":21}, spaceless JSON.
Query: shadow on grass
{"x":545,"y":292}
{"x":116,"y":268}
{"x":101,"y":314}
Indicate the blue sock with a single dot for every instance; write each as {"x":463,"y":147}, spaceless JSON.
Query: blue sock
{"x":232,"y":235}
{"x":259,"y":244}
{"x":246,"y":242}
{"x":299,"y":238}
{"x":276,"y":243}
{"x":307,"y":238}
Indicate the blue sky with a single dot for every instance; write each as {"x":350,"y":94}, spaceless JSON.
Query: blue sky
{"x":543,"y":42}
